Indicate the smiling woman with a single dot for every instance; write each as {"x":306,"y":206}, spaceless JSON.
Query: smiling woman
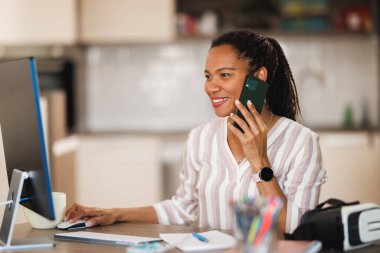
{"x":273,"y":155}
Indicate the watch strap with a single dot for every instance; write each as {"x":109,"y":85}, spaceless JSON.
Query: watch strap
{"x":256,"y":177}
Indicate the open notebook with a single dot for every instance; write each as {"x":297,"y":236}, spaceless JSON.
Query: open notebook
{"x":103,"y":238}
{"x":187,"y":242}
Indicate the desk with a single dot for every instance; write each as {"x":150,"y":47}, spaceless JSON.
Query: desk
{"x":150,"y":230}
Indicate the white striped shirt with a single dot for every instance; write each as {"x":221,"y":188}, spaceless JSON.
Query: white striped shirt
{"x":210,"y":176}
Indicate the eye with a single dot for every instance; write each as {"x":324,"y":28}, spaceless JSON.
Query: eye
{"x":225,"y":75}
{"x":208,"y":77}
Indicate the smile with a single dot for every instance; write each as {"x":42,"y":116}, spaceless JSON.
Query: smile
{"x":218,"y":101}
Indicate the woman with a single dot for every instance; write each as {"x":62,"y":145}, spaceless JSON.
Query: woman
{"x":222,"y":163}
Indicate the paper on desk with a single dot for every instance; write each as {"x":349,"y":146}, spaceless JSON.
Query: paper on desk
{"x":187,"y":242}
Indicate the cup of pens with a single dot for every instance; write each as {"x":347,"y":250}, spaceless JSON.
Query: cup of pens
{"x":256,"y":220}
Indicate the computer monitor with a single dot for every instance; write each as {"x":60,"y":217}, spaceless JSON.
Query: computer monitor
{"x":24,"y":147}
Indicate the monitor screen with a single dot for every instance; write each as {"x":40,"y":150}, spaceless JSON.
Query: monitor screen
{"x":22,"y":133}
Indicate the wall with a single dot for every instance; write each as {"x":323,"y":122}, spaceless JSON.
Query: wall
{"x":160,"y":87}
{"x":352,"y":164}
{"x":332,"y":72}
{"x":145,"y":88}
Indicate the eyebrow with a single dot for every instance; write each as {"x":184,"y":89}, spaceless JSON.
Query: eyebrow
{"x":224,"y":68}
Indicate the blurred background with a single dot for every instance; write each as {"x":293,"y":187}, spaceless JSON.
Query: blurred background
{"x":122,"y":81}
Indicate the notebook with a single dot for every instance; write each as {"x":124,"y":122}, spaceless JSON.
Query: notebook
{"x":187,"y":242}
{"x":103,"y":238}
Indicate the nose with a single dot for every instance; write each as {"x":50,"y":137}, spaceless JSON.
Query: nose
{"x":212,"y":86}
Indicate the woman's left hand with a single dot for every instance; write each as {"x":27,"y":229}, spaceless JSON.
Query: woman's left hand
{"x":254,"y":138}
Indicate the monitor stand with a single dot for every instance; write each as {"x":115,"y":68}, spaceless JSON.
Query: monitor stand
{"x":10,"y":216}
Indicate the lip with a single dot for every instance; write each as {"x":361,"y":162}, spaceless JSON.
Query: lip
{"x":218,"y":101}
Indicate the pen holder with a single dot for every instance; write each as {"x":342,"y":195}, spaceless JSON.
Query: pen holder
{"x":256,"y":221}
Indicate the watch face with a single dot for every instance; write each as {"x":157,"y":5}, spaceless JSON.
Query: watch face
{"x":266,"y":174}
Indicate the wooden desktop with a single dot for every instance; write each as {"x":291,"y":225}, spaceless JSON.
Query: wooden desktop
{"x":149,"y":230}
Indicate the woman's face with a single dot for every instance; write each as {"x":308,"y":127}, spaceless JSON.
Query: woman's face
{"x":225,"y":73}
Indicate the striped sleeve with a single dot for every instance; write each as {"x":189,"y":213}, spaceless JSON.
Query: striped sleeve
{"x":303,"y":181}
{"x":182,"y":208}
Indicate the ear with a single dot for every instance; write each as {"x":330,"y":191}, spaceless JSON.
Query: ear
{"x":262,"y":74}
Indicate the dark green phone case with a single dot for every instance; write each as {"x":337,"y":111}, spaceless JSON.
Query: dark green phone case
{"x":255,"y":90}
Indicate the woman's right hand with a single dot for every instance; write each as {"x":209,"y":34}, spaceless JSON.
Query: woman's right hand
{"x":93,"y":216}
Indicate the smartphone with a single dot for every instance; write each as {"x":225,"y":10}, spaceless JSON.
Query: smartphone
{"x":255,"y":90}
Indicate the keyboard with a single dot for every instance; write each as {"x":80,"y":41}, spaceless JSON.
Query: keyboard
{"x":104,"y":238}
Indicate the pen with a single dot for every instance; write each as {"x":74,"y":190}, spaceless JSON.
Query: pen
{"x":199,"y":237}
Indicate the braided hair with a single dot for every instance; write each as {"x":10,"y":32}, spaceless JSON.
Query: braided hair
{"x":260,"y":51}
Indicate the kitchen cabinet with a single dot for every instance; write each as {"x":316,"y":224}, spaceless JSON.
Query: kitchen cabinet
{"x":37,"y":22}
{"x":122,"y":21}
{"x":64,"y":166}
{"x":118,"y":171}
{"x":352,"y":161}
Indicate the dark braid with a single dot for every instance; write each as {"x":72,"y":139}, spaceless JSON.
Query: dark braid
{"x":282,"y":97}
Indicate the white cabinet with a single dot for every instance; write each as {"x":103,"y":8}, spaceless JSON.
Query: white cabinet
{"x":118,"y":171}
{"x":352,"y":161}
{"x":119,"y":21}
{"x":37,"y":22}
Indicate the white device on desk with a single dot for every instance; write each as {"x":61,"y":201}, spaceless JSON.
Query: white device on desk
{"x":104,"y":238}
{"x":361,"y":224}
{"x":66,"y":225}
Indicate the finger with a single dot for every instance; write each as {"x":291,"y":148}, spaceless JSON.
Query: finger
{"x":69,"y":212}
{"x":256,"y":116}
{"x":244,"y":111}
{"x":86,"y":218}
{"x":99,"y":220}
{"x":248,"y":117}
{"x":92,"y":212}
{"x":87,"y":212}
{"x":76,"y":216}
{"x":91,"y":222}
{"x":241,"y":123}
{"x":234,"y":130}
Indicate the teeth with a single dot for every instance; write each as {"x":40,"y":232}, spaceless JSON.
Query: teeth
{"x":219,"y":100}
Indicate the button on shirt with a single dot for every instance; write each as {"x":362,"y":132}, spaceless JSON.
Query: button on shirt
{"x":211,"y":178}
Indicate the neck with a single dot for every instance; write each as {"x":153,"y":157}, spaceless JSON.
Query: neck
{"x":266,"y":116}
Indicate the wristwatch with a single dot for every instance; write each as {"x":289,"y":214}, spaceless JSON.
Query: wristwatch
{"x":264,"y":175}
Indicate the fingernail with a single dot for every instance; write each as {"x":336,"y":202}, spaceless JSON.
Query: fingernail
{"x":249,"y":102}
{"x":231,"y":114}
{"x":89,"y":224}
{"x":65,"y":219}
{"x":237,"y":102}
